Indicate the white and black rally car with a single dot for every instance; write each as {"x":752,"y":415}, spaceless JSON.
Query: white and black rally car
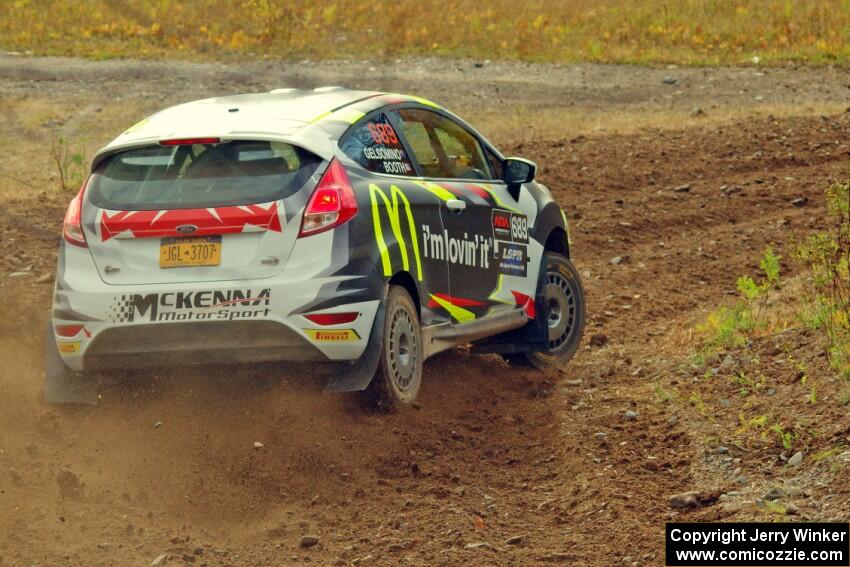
{"x":364,"y":228}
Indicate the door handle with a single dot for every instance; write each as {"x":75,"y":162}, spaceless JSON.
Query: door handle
{"x":456,"y":205}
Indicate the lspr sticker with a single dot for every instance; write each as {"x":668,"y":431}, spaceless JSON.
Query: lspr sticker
{"x":513,"y":259}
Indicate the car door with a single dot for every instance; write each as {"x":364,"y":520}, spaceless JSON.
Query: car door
{"x":403,"y":214}
{"x":485,"y":234}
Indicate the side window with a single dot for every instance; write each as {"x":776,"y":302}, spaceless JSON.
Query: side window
{"x":374,"y":144}
{"x":416,"y":134}
{"x":442,"y":147}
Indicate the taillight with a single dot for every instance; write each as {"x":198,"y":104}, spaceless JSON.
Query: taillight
{"x":332,"y":318}
{"x":333,"y":202}
{"x":72,"y":227}
{"x":68,"y":330}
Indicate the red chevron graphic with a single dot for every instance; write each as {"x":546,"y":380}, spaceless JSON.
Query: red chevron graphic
{"x":526,"y":302}
{"x":224,"y":220}
{"x":479,"y":191}
{"x":459,"y":301}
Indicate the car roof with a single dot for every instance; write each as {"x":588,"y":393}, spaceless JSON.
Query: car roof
{"x":308,"y":118}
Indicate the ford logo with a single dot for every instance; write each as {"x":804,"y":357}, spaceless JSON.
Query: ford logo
{"x":187,"y":228}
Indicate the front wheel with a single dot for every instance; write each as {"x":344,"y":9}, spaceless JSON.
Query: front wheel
{"x":565,"y":306}
{"x":399,"y":374}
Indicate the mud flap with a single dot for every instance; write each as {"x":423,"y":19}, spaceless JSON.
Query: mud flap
{"x":531,"y":337}
{"x":356,"y":377}
{"x":61,"y":384}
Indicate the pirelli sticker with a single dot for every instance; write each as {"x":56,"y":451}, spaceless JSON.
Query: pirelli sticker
{"x":69,"y":347}
{"x":332,"y":335}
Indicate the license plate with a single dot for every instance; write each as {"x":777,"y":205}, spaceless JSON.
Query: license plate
{"x":181,"y":252}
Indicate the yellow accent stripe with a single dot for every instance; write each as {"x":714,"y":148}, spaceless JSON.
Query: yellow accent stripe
{"x":346,"y":114}
{"x":495,"y":295}
{"x":425,"y":101}
{"x":440,"y":192}
{"x":496,"y":199}
{"x":567,"y":228}
{"x":460,"y":314}
{"x":392,"y":209}
{"x":320,"y":117}
{"x":418,"y":99}
{"x":137,"y":125}
{"x":349,"y":115}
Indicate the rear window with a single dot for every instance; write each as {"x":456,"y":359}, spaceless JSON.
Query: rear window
{"x":375,"y":145}
{"x":200,"y":175}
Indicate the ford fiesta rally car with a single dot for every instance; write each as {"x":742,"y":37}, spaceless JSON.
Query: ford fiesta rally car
{"x":364,"y":228}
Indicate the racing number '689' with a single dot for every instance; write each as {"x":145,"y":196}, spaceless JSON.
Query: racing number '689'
{"x":382,"y":133}
{"x":519,"y":227}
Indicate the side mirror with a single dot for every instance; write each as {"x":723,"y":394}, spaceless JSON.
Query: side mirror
{"x":515,"y":172}
{"x":518,"y":171}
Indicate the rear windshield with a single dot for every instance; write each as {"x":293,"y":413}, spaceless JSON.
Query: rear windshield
{"x":200,"y":175}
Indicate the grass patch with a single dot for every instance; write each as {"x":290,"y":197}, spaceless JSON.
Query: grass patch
{"x":774,"y":507}
{"x":827,"y":257}
{"x":764,"y":427}
{"x":694,"y":32}
{"x":827,"y":454}
{"x":662,"y":394}
{"x":729,"y":327}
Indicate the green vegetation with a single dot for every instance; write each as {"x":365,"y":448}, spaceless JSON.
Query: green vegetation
{"x":827,"y":258}
{"x":775,"y":507}
{"x":695,"y":399}
{"x":785,"y":437}
{"x":728,"y":327}
{"x":747,"y":384}
{"x":761,"y":425}
{"x":827,"y":454}
{"x":694,"y":32}
{"x":71,"y":164}
{"x":663,"y":395}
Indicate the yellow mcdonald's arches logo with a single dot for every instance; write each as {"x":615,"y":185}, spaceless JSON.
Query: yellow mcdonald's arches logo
{"x":392,"y":206}
{"x":332,"y":335}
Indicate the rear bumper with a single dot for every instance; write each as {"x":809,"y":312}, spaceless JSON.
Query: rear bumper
{"x":166,"y":344}
{"x":243,"y":334}
{"x":215,"y":322}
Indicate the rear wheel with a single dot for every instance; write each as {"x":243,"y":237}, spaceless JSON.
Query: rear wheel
{"x":399,"y":375}
{"x":61,"y":384}
{"x":565,"y":307}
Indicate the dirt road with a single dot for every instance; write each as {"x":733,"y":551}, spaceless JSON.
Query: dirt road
{"x":499,"y":466}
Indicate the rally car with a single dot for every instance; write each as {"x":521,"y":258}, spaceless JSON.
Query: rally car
{"x":367,"y":229}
